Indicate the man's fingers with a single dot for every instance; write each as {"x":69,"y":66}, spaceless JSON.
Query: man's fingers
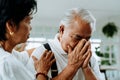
{"x":85,"y":48}
{"x":86,"y":54}
{"x":80,"y":45}
{"x":89,"y":56}
{"x":69,"y":49}
{"x":89,"y":46}
{"x":87,"y":60}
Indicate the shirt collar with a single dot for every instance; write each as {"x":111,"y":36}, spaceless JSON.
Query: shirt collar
{"x":57,"y":44}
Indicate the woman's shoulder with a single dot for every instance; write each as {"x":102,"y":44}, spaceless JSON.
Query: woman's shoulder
{"x":4,"y":56}
{"x":5,"y":61}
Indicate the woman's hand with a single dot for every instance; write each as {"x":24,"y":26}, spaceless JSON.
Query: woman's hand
{"x":43,"y":65}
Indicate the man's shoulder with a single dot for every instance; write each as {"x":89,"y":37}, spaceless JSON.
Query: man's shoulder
{"x":38,"y":51}
{"x":41,"y":48}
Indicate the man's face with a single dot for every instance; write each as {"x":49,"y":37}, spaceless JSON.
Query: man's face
{"x":72,"y":34}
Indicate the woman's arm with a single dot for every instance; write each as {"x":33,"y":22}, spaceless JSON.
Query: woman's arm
{"x":43,"y":65}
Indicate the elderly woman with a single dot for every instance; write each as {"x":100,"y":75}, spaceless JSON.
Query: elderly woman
{"x":15,"y":18}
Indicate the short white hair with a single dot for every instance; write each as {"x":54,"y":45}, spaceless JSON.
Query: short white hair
{"x":83,"y":14}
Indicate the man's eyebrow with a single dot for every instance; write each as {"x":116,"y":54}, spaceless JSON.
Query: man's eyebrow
{"x":89,"y":37}
{"x":79,"y":36}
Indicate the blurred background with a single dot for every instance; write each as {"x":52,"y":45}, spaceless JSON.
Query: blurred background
{"x":105,"y":40}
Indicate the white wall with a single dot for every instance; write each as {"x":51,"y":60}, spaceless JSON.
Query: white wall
{"x":50,"y":13}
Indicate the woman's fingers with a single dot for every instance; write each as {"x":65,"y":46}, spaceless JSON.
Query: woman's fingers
{"x":52,"y":61}
{"x":34,"y":58}
{"x":44,"y":54}
{"x":48,"y":54}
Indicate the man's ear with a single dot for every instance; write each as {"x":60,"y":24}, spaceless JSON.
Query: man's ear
{"x":61,"y":29}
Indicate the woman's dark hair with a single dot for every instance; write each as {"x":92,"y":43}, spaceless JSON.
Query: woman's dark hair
{"x":15,"y":10}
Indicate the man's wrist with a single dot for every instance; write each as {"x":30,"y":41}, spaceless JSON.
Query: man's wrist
{"x":86,"y":69}
{"x":72,"y":68}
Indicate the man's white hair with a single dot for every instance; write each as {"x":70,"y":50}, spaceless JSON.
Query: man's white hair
{"x":80,"y":13}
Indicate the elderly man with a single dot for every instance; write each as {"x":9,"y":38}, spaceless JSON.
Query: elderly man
{"x":72,"y":42}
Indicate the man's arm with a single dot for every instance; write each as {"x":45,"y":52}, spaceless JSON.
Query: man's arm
{"x":67,"y":74}
{"x":76,"y":58}
{"x":89,"y":74}
{"x":95,"y":68}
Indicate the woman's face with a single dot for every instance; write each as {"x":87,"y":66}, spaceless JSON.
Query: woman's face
{"x":22,"y":33}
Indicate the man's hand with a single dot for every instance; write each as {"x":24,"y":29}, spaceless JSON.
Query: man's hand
{"x":87,"y":60}
{"x":80,"y":55}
